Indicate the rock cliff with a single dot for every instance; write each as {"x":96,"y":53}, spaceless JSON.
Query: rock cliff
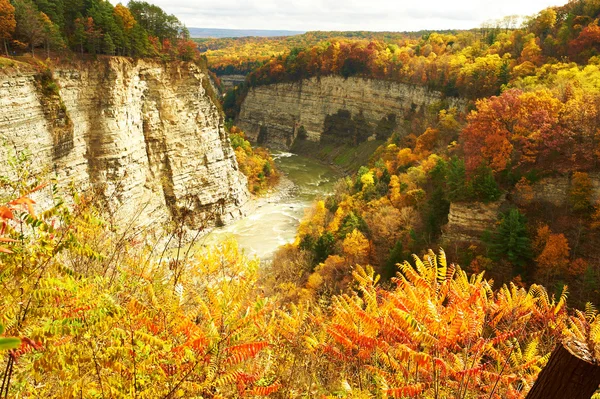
{"x":144,"y":135}
{"x":230,"y":81}
{"x":274,"y":114}
{"x":468,"y":221}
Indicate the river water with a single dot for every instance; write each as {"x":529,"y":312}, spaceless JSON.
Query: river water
{"x":273,"y":220}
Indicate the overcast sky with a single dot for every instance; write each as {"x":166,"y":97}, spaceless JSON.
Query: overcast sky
{"x":374,"y":15}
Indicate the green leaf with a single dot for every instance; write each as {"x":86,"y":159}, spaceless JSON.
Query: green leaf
{"x":9,"y":343}
{"x":1,"y":328}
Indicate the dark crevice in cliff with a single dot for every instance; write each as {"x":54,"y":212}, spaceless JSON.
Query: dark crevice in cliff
{"x":56,"y":114}
{"x":156,"y":145}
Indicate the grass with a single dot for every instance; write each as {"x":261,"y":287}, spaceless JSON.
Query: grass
{"x":345,"y":157}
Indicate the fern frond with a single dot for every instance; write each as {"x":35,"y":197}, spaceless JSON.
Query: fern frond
{"x":409,"y":390}
{"x":239,"y":353}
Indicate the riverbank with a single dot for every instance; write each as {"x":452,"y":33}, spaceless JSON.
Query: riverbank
{"x":272,"y":219}
{"x":346,"y":159}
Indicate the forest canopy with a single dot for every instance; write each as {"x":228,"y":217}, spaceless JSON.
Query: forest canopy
{"x":94,"y":27}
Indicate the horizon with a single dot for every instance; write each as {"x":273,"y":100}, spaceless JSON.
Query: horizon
{"x":338,"y":15}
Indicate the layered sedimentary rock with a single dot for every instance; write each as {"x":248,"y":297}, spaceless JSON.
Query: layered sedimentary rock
{"x":468,"y":221}
{"x":555,"y":191}
{"x":274,"y":114}
{"x":230,"y":81}
{"x":144,"y":135}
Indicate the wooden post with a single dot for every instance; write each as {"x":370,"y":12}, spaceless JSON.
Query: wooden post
{"x":566,"y":376}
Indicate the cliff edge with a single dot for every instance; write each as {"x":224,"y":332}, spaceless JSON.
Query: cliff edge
{"x":145,"y":135}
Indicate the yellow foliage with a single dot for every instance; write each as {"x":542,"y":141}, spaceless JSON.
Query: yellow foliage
{"x":367,"y":180}
{"x":405,"y":158}
{"x":313,"y":223}
{"x":356,"y":247}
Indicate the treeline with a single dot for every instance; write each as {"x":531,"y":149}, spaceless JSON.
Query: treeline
{"x":94,"y":27}
{"x":471,"y":64}
{"x":242,"y":55}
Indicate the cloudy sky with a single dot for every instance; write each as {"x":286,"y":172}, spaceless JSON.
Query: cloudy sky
{"x":375,"y":15}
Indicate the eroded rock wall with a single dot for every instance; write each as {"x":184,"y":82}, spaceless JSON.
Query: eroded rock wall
{"x":145,"y":135}
{"x":274,"y":113}
{"x":468,"y":221}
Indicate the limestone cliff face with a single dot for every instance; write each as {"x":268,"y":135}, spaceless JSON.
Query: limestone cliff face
{"x":230,"y":81}
{"x":555,"y":190}
{"x":468,"y":221}
{"x":274,"y":113}
{"x":145,"y":135}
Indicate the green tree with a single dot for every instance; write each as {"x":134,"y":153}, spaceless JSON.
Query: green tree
{"x":324,"y":247}
{"x":352,"y":222}
{"x":511,"y":239}
{"x":157,"y":22}
{"x":484,"y":185}
{"x":54,"y":9}
{"x":108,"y":46}
{"x":51,"y":34}
{"x":139,"y":45}
{"x":30,"y":26}
{"x":79,"y":36}
{"x":396,"y":256}
{"x":456,"y":181}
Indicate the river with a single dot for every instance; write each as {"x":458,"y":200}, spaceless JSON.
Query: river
{"x":273,"y":220}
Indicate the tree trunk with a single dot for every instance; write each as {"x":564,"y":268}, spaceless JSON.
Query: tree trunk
{"x":5,"y":47}
{"x":566,"y":376}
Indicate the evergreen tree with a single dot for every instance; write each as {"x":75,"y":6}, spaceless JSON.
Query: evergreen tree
{"x":484,"y":185}
{"x":108,"y":46}
{"x":30,"y":25}
{"x":324,"y":247}
{"x":79,"y":36}
{"x":456,"y":182}
{"x":156,"y":22}
{"x":511,"y":239}
{"x":54,"y":9}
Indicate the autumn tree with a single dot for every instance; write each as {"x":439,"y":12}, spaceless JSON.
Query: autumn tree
{"x":125,"y":17}
{"x":356,"y":247}
{"x":8,"y":22}
{"x":554,"y":251}
{"x":514,"y":129}
{"x":580,"y":192}
{"x":587,"y":44}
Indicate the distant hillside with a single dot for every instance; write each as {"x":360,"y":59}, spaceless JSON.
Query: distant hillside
{"x":220,"y":33}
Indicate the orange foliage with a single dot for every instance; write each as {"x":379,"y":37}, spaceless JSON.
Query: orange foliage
{"x":124,"y":15}
{"x":524,"y":190}
{"x":7,"y":20}
{"x":426,"y":142}
{"x":554,"y":257}
{"x":515,"y":129}
{"x":577,"y":267}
